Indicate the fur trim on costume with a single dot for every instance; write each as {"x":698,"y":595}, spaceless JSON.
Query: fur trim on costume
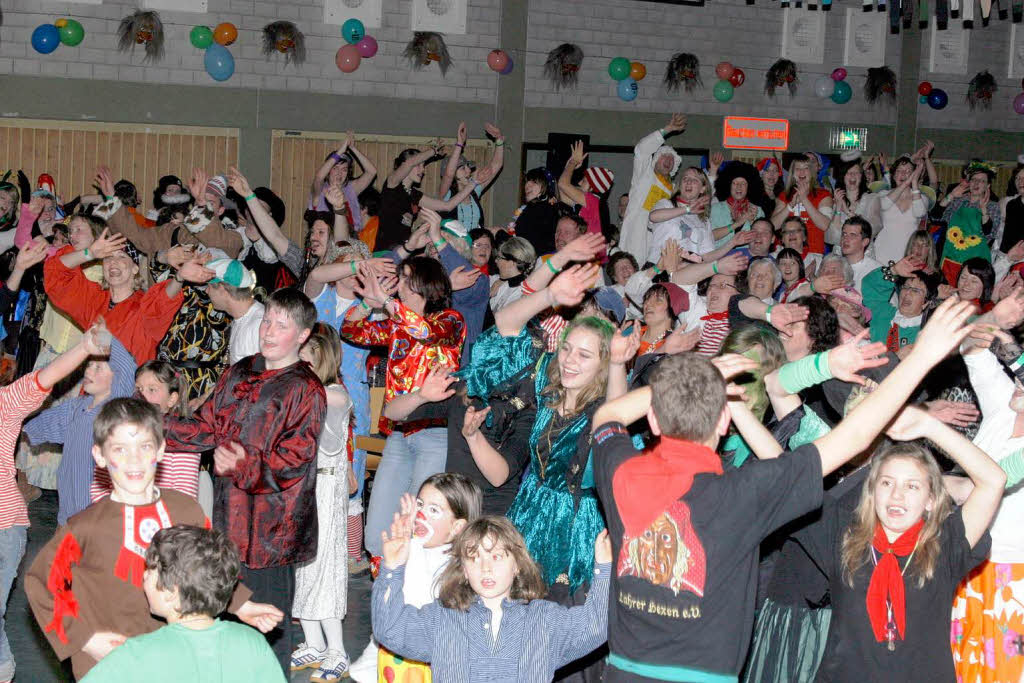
{"x":286,"y":38}
{"x":563,"y":65}
{"x":981,"y":89}
{"x":683,"y":70}
{"x":881,"y":83}
{"x":142,"y":28}
{"x":426,"y":47}
{"x":783,"y":72}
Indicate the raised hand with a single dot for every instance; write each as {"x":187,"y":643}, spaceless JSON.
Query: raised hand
{"x":107,"y":244}
{"x":36,"y":205}
{"x":335,"y":197}
{"x":732,"y":365}
{"x":460,"y":135}
{"x":946,"y":328}
{"x":839,"y":199}
{"x":395,"y":548}
{"x":193,"y":270}
{"x":435,"y":386}
{"x":96,"y":340}
{"x":474,"y":419}
{"x":493,"y":131}
{"x":670,"y":258}
{"x":700,"y":203}
{"x":381,"y":266}
{"x":463,"y":277}
{"x":583,"y":248}
{"x":741,"y":238}
{"x":368,"y":287}
{"x":846,"y":360}
{"x":568,"y":287}
{"x":826,"y":283}
{"x":715,"y":160}
{"x":197,"y":185}
{"x":432,"y":219}
{"x":733,"y":264}
{"x":960,"y":190}
{"x":105,"y":181}
{"x":911,"y":423}
{"x":624,"y":347}
{"x":577,"y":157}
{"x":238,"y":182}
{"x":483,"y":175}
{"x":906,"y":266}
{"x":954,"y":413}
{"x":680,"y":341}
{"x":784,"y":315}
{"x":32,"y":253}
{"x":676,"y":124}
{"x":420,"y":237}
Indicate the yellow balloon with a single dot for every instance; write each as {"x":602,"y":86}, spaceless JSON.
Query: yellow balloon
{"x":60,"y":23}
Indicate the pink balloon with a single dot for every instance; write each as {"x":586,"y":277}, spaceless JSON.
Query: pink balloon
{"x":724,"y":70}
{"x":348,"y":58}
{"x":1018,"y":104}
{"x":497,"y":60}
{"x":367,"y":47}
{"x":839,"y":74}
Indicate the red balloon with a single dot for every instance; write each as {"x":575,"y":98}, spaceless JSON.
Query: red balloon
{"x":924,"y":88}
{"x":497,"y":60}
{"x":724,"y":70}
{"x":348,"y":58}
{"x":737,"y":77}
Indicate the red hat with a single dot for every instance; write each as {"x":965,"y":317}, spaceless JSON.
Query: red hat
{"x":600,"y":179}
{"x":678,"y":299}
{"x":47,"y":183}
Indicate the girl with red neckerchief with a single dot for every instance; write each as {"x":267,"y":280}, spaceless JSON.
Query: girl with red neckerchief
{"x":808,"y":202}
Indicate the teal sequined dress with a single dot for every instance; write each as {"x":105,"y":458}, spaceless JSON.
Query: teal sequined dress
{"x":559,"y":533}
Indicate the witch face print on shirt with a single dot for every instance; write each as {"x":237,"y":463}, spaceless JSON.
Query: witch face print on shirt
{"x":666,"y":553}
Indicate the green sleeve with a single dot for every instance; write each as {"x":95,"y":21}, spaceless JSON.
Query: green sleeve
{"x":1013,"y":465}
{"x":877,"y":293}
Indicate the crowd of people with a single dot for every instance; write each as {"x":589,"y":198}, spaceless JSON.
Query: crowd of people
{"x":748,"y":423}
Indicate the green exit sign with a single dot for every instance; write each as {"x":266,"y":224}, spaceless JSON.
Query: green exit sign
{"x":848,"y":138}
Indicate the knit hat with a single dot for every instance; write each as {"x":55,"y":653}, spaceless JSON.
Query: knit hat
{"x":676,"y":159}
{"x":678,"y":299}
{"x":231,"y":272}
{"x":607,"y":299}
{"x":851,"y":296}
{"x":600,"y":179}
{"x":217,"y":185}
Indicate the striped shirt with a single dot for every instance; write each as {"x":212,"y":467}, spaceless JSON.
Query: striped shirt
{"x":17,"y":401}
{"x":178,"y":471}
{"x":533,"y":639}
{"x":70,"y":424}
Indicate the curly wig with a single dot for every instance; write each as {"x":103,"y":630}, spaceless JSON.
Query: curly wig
{"x":683,"y":70}
{"x":740,"y":169}
{"x":563,"y":64}
{"x":426,"y":47}
{"x":286,"y":38}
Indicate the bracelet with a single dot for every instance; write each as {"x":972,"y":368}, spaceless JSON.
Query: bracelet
{"x":107,"y":197}
{"x":250,"y":197}
{"x":86,"y":252}
{"x":887,"y":273}
{"x":805,"y":373}
{"x":658,"y":271}
{"x":499,"y":142}
{"x":460,"y":145}
{"x":768,"y":314}
{"x":440,"y":244}
{"x":811,"y":283}
{"x":353,"y":264}
{"x":335,"y":156}
{"x":552,"y":268}
{"x":714,"y":267}
{"x":363,"y":304}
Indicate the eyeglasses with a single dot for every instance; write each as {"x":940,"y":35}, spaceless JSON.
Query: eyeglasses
{"x":722,"y":285}
{"x":916,"y":290}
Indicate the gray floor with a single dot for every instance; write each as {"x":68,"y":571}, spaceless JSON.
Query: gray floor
{"x":35,"y":660}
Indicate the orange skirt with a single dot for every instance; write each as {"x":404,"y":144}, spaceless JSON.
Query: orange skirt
{"x":987,"y":633}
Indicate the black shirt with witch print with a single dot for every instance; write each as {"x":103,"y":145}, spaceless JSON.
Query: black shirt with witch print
{"x":683,"y":590}
{"x":853,"y":653}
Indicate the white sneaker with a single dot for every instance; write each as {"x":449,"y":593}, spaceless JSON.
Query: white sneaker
{"x":332,"y":668}
{"x":364,"y":669}
{"x":306,"y":657}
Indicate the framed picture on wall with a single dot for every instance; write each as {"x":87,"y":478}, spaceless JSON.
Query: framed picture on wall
{"x":948,"y":50}
{"x":865,"y":38}
{"x":1016,"y":67}
{"x":803,"y":35}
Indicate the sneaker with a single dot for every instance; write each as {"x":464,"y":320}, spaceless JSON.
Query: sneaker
{"x":357,"y":566}
{"x":306,"y":657}
{"x":364,"y":669}
{"x":332,"y":668}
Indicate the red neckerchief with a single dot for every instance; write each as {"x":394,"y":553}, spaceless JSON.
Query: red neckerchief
{"x":141,"y":522}
{"x":737,"y":206}
{"x":886,"y":584}
{"x":724,"y":315}
{"x":645,"y":486}
{"x":483,"y":269}
{"x":892,"y":340}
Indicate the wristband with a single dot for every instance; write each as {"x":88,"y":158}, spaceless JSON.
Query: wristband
{"x":440,"y":244}
{"x":811,"y":283}
{"x":499,"y":142}
{"x":805,"y":373}
{"x":714,"y":267}
{"x":353,"y":264}
{"x":460,"y":145}
{"x":658,"y":271}
{"x":107,"y":197}
{"x":768,"y":314}
{"x":1014,"y":366}
{"x":251,"y":197}
{"x":86,"y":252}
{"x":336,"y":157}
{"x":551,"y":267}
{"x":363,"y":304}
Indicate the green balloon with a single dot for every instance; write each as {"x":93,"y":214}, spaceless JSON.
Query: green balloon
{"x":71,"y":32}
{"x":842,"y":92}
{"x":201,"y":37}
{"x":618,"y":68}
{"x":723,"y":91}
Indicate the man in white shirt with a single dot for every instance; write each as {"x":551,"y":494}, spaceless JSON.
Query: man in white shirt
{"x":230,"y":291}
{"x":854,"y":241}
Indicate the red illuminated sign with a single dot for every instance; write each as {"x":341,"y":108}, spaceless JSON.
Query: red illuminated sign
{"x":743,"y":132}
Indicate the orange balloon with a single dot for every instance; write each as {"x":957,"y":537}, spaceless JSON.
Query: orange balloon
{"x":637,"y":71}
{"x":225,"y":33}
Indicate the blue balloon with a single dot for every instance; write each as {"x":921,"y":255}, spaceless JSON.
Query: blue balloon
{"x":842,"y":92}
{"x":45,"y":39}
{"x":938,"y":99}
{"x":220,"y":64}
{"x":353,"y":31}
{"x":628,"y":89}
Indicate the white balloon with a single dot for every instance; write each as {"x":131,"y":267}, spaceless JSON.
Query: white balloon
{"x":824,"y":86}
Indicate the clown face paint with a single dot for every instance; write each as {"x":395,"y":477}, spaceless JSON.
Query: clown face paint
{"x":435,"y":522}
{"x":130,"y":454}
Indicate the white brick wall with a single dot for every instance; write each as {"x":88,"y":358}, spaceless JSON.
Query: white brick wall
{"x":989,"y":49}
{"x":469,"y":79}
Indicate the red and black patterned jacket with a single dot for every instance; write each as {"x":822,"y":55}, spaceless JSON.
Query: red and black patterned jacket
{"x":267,"y":506}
